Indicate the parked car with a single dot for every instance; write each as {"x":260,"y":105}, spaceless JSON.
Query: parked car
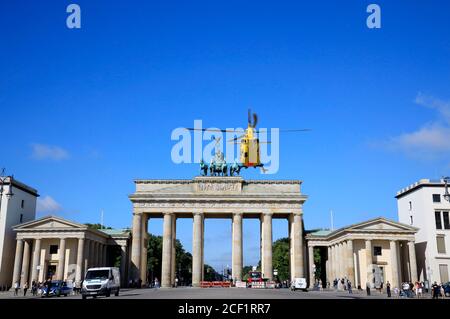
{"x":447,"y":289}
{"x":101,"y":281}
{"x":58,"y":288}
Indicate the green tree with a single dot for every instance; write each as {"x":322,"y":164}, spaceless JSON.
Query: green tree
{"x":97,"y":226}
{"x":280,"y":258}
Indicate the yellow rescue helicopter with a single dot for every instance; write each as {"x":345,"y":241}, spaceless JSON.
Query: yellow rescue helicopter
{"x":249,"y":149}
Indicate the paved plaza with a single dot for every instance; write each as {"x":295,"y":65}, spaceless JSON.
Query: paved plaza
{"x":226,"y":293}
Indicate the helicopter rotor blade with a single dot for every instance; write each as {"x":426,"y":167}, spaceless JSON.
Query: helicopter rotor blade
{"x":288,"y":130}
{"x":236,"y":138}
{"x":212,"y":130}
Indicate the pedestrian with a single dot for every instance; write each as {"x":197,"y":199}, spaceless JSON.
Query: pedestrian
{"x":34,"y":288}
{"x":25,"y":288}
{"x":156,"y":282}
{"x":388,"y":289}
{"x":419,"y":289}
{"x":176,"y":282}
{"x":435,"y":290}
{"x":48,"y":286}
{"x":396,"y":291}
{"x":442,"y":292}
{"x":368,"y":288}
{"x":16,"y":288}
{"x":349,"y":287}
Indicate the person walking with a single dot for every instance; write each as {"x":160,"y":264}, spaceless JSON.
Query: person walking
{"x":435,"y":290}
{"x":388,"y":289}
{"x":16,"y":288}
{"x":48,"y":286}
{"x":368,"y":288}
{"x":25,"y":288}
{"x":33,"y":288}
{"x":349,"y":287}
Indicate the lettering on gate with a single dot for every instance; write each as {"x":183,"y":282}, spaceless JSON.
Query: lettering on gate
{"x":218,"y":187}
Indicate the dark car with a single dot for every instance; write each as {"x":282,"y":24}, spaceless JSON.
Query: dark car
{"x":446,"y":287}
{"x":58,"y":288}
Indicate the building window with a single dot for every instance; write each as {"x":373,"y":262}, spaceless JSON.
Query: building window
{"x":437,"y":217}
{"x":446,"y":220}
{"x":53,"y":249}
{"x":22,"y":204}
{"x":410,"y":206}
{"x":440,"y":240}
{"x":21,"y":218}
{"x":436,"y":198}
{"x":377,"y":250}
{"x":410,"y":220}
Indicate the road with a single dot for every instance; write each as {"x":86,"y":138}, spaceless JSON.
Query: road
{"x":223,"y":293}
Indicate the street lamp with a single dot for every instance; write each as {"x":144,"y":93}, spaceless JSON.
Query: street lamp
{"x":446,"y":194}
{"x":3,"y":179}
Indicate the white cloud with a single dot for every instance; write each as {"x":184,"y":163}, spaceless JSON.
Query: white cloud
{"x":43,"y":152}
{"x":430,"y":141}
{"x":48,"y":205}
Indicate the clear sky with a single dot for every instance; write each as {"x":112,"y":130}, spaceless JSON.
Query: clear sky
{"x":86,"y":111}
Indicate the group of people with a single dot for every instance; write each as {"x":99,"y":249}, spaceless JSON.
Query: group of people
{"x":343,"y":284}
{"x":36,"y":287}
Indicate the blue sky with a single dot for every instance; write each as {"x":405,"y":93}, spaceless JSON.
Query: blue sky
{"x":84,"y":112}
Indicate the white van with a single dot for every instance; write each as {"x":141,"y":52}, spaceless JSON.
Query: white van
{"x":299,"y":283}
{"x":101,"y":281}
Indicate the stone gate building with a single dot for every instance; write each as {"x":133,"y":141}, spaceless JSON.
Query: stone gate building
{"x":215,"y":197}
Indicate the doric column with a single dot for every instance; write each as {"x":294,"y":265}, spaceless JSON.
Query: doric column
{"x":173,"y":263}
{"x":123,"y":259}
{"x":412,"y":261}
{"x":329,"y":265}
{"x":311,"y":266}
{"x":350,"y":262}
{"x":25,"y":263}
{"x":197,"y":264}
{"x":36,"y":260}
{"x":394,"y":264}
{"x":80,"y":255}
{"x":166,"y":251}
{"x":335,"y":262}
{"x":105,"y":255}
{"x":92,"y":254}
{"x":203,"y":248}
{"x":338,"y":260}
{"x":344,"y":259}
{"x":332,"y":263}
{"x":136,"y":247}
{"x":297,"y":244}
{"x":267,"y":243}
{"x":61,"y":259}
{"x":237,"y":257}
{"x":369,"y":262}
{"x":86,"y":257}
{"x":18,"y":262}
{"x":261,"y":241}
{"x":144,"y":244}
{"x":97,"y":254}
{"x":291,"y":243}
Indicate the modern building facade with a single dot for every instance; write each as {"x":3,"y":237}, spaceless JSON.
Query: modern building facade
{"x":424,"y":206}
{"x":17,"y":205}
{"x":52,"y":247}
{"x":368,"y":253}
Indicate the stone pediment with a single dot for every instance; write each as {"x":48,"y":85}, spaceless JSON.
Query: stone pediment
{"x":380,"y":224}
{"x":50,"y":222}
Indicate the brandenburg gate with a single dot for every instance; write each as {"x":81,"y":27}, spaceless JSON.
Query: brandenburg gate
{"x":215,"y":197}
